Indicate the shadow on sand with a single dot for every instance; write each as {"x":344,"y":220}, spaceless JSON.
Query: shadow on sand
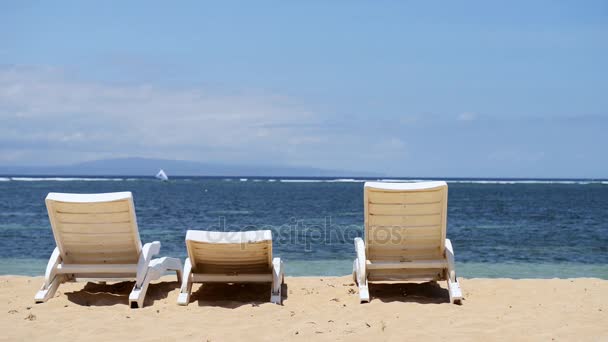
{"x":232,"y":296}
{"x":423,"y":293}
{"x":94,"y":294}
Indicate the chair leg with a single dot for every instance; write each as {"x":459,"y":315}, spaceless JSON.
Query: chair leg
{"x":360,"y":271}
{"x":362,"y":283}
{"x":47,"y":292}
{"x":277,"y":281}
{"x":453,"y":284}
{"x":138,"y":294}
{"x":186,"y":289}
{"x":455,"y":291}
{"x":52,"y":280}
{"x":156,"y":269}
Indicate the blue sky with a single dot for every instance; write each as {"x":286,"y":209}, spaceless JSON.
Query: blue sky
{"x":470,"y":89}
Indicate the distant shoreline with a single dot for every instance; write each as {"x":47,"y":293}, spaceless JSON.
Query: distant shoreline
{"x":295,"y":179}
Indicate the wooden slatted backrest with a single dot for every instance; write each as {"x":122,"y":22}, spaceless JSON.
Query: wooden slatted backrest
{"x":95,"y":228}
{"x":405,"y":221}
{"x":230,"y":252}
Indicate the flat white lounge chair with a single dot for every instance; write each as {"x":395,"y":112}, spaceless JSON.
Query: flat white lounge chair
{"x":97,"y":240}
{"x":231,"y":257}
{"x":405,"y":236}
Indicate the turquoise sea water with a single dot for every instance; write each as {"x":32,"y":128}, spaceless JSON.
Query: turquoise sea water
{"x":499,"y":228}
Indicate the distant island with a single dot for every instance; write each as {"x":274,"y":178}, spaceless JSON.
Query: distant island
{"x":149,"y":167}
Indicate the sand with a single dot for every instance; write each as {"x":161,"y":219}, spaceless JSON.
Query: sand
{"x":315,"y":308}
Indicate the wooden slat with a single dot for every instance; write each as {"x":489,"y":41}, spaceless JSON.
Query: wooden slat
{"x":406,"y":264}
{"x":87,"y":218}
{"x":388,"y":254}
{"x":404,"y":221}
{"x":106,"y":277}
{"x":228,"y":254}
{"x":227,"y":264}
{"x":91,"y":208}
{"x":405,"y":197}
{"x":400,"y":235}
{"x":96,"y":268}
{"x":231,"y":249}
{"x":406,"y":274}
{"x":103,"y":238}
{"x":88,"y":247}
{"x":422,"y":247}
{"x":245,"y":278}
{"x":404,"y":248}
{"x":405,"y":209}
{"x":96,"y":228}
{"x":230,"y":246}
{"x":92,"y":253}
{"x":231,"y":260}
{"x":228,"y":269}
{"x":101,"y":258}
{"x":419,"y":255}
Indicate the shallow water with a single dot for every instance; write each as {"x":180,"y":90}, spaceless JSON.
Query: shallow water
{"x":499,"y":228}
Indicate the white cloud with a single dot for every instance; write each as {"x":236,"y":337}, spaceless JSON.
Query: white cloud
{"x":44,"y":110}
{"x":49,"y":117}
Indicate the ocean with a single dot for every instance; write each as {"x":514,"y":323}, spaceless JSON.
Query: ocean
{"x":499,"y":228}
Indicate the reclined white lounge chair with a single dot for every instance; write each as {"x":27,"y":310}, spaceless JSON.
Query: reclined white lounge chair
{"x":405,"y":236}
{"x":97,"y":240}
{"x":231,"y":257}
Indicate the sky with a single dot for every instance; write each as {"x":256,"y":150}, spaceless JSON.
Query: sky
{"x":402,"y":88}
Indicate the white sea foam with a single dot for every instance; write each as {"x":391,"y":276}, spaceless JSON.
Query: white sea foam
{"x":346,"y":180}
{"x":486,"y":182}
{"x":62,"y":179}
{"x":337,"y":180}
{"x":401,"y":180}
{"x":301,"y":180}
{"x":581,"y":182}
{"x":500,"y":181}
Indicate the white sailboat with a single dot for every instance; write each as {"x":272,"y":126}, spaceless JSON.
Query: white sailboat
{"x":162,"y":175}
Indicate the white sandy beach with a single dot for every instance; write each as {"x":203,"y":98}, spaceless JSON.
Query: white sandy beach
{"x":315,"y":308}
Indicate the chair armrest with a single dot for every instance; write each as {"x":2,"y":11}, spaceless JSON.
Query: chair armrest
{"x":361,"y":258}
{"x":51,"y":267}
{"x":147,"y":252}
{"x":449,"y":256}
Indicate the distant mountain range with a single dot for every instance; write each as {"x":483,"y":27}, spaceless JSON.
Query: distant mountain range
{"x":149,"y":167}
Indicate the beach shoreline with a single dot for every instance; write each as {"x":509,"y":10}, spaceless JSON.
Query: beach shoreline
{"x":319,"y":308}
